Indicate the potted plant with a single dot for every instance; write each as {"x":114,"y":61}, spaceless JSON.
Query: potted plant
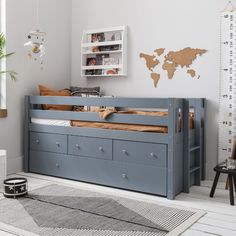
{"x":11,"y":73}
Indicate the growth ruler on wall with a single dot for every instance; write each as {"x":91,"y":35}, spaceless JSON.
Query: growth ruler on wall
{"x":227,"y":106}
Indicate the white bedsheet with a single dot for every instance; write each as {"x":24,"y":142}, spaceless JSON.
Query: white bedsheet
{"x":50,"y":122}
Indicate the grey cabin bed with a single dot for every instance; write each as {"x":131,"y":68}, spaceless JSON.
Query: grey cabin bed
{"x":157,"y":163}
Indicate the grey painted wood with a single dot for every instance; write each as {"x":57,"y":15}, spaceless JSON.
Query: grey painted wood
{"x":140,"y":153}
{"x":106,"y":172}
{"x":178,"y":149}
{"x":203,"y":143}
{"x":26,"y":135}
{"x":188,"y":134}
{"x":90,"y":147}
{"x":93,"y":116}
{"x":102,"y":133}
{"x":110,"y":102}
{"x":171,"y":132}
{"x":48,"y":142}
{"x":153,"y":179}
{"x":198,"y":152}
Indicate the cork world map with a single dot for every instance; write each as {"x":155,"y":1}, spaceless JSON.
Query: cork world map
{"x":171,"y":61}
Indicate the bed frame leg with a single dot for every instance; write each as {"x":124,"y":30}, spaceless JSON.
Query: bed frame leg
{"x":26,"y":135}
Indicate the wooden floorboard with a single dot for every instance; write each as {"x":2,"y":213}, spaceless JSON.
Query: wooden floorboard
{"x":220,"y":217}
{"x":215,"y":230}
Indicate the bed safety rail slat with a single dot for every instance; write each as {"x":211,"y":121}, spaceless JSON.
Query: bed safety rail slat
{"x":161,"y":103}
{"x":91,"y":116}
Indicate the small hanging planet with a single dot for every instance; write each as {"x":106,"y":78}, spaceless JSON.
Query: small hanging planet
{"x":36,"y":48}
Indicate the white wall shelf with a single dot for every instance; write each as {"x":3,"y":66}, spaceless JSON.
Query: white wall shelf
{"x":106,"y":43}
{"x":104,"y":52}
{"x":94,"y":53}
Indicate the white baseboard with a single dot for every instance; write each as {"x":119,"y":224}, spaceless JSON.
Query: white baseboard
{"x":14,"y":165}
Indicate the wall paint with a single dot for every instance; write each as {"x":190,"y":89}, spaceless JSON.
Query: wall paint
{"x":153,"y":24}
{"x":55,"y":19}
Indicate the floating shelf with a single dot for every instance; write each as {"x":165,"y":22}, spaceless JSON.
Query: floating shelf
{"x":102,"y":67}
{"x":116,"y":75}
{"x":97,"y":44}
{"x":110,"y":54}
{"x":102,"y":52}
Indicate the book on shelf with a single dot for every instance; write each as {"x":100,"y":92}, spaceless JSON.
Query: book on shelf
{"x":94,"y":72}
{"x":100,"y":58}
{"x":112,"y":71}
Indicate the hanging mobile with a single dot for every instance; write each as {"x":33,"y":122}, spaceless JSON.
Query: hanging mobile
{"x":36,"y":48}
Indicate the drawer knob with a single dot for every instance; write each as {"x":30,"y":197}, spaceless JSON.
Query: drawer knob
{"x":101,"y":149}
{"x":152,"y":154}
{"x":58,"y":144}
{"x":57,"y":165}
{"x":37,"y":141}
{"x":124,"y":176}
{"x":125,"y":152}
{"x":77,"y":145}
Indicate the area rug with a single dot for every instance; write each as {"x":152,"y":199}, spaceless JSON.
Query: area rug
{"x":57,"y":210}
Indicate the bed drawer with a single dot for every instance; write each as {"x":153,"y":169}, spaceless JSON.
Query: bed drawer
{"x":150,"y":179}
{"x":141,"y":153}
{"x":137,"y":177}
{"x":48,"y":163}
{"x":48,"y":142}
{"x":90,"y":147}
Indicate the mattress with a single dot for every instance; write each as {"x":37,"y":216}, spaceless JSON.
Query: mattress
{"x":115,"y":126}
{"x":50,"y":122}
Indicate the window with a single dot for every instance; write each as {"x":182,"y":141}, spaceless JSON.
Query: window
{"x":3,"y":61}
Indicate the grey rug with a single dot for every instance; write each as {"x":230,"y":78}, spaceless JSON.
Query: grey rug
{"x":58,"y":210}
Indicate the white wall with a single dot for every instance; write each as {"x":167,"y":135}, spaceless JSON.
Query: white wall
{"x":55,"y":19}
{"x":153,"y":24}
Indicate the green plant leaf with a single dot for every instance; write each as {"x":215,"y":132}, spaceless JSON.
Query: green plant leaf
{"x":6,"y":55}
{"x":11,"y":73}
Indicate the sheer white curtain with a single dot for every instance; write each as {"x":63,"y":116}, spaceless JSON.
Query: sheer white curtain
{"x":3,"y":61}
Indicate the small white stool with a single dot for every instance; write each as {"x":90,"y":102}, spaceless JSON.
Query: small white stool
{"x":3,"y":166}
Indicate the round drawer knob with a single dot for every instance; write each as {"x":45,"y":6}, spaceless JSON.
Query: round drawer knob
{"x":37,"y":141}
{"x":101,"y":149}
{"x":124,"y":176}
{"x":124,"y":152}
{"x":152,"y":154}
{"x":77,"y":145}
{"x":57,"y":165}
{"x":58,"y":144}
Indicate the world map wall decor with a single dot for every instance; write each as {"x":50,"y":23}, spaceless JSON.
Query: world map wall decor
{"x":171,"y":61}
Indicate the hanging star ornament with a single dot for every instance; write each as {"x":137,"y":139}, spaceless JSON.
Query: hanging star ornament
{"x":36,"y":41}
{"x":35,"y":45}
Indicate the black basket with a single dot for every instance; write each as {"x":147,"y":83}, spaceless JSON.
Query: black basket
{"x":15,"y":187}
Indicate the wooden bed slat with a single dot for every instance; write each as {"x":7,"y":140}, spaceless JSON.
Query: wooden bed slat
{"x":92,"y":116}
{"x":115,"y":102}
{"x":102,"y":133}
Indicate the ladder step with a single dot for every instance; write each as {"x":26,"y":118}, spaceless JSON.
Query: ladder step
{"x":194,"y":169}
{"x":194,"y":148}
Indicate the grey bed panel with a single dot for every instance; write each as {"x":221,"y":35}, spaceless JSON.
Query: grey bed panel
{"x":110,"y":102}
{"x":90,"y":147}
{"x":141,"y":176}
{"x":93,"y":116}
{"x":105,"y":172}
{"x":192,"y":138}
{"x":102,"y":133}
{"x":140,"y":153}
{"x":26,"y":135}
{"x":48,"y":142}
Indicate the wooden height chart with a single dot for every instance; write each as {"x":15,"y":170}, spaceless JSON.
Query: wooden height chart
{"x":227,"y":116}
